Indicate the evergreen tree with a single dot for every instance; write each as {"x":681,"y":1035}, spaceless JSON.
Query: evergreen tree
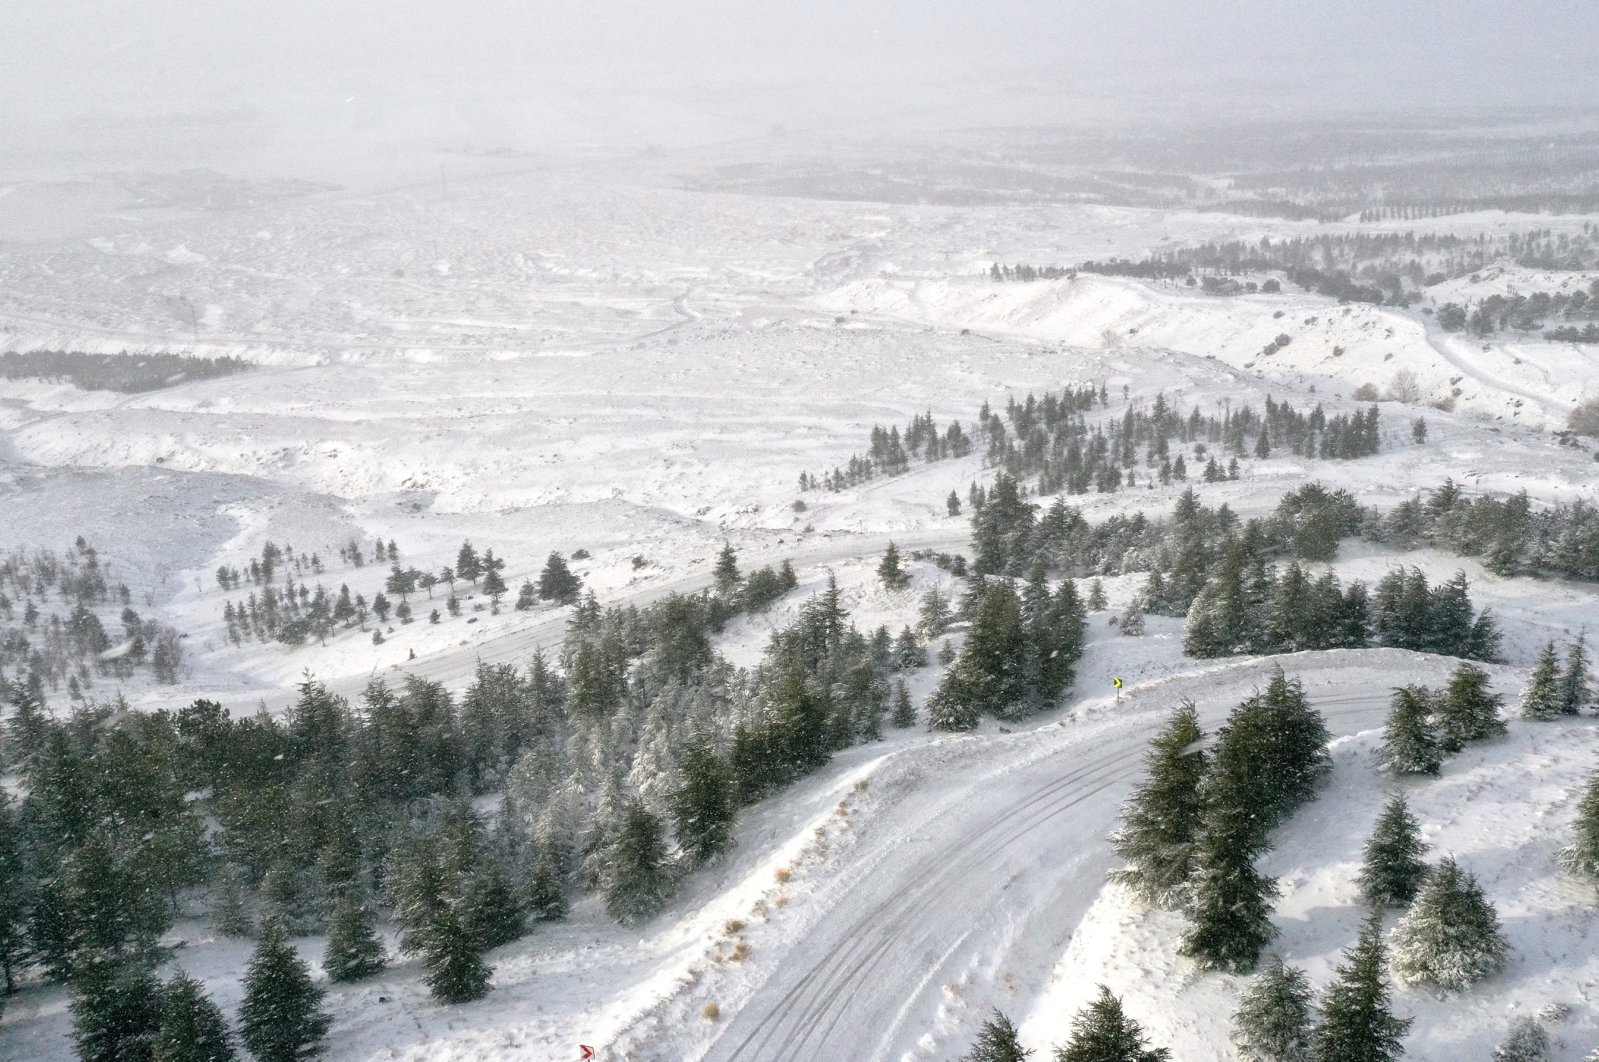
{"x":1409,"y":745}
{"x":14,"y":896}
{"x":1101,"y":1032}
{"x":490,"y":910}
{"x":1541,"y":699}
{"x":1581,"y":856}
{"x":991,"y":674}
{"x":997,"y":1042}
{"x":952,"y":504}
{"x":1467,"y":711}
{"x":1161,"y":819}
{"x":1450,"y":936}
{"x":116,"y":1009}
{"x":281,"y":1018}
{"x":889,"y":571}
{"x":704,"y":806}
{"x":467,"y":564}
{"x":546,"y":886}
{"x":557,"y":581}
{"x":1356,"y":1022}
{"x":1132,"y":620}
{"x":909,"y":655}
{"x":1273,"y":1021}
{"x":1393,"y":869}
{"x":355,"y":951}
{"x":228,"y":915}
{"x":1574,"y":692}
{"x":192,"y":1028}
{"x":904,"y":711}
{"x":726,"y":571}
{"x":934,"y":616}
{"x":456,"y":972}
{"x":419,"y":890}
{"x":1096,"y":597}
{"x":1230,"y":908}
{"x":493,"y":584}
{"x":1526,"y":1042}
{"x":639,"y":879}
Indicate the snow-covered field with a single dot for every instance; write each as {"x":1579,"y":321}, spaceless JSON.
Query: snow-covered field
{"x":563,"y":359}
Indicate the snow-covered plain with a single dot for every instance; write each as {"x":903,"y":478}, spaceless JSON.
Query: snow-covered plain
{"x":560,"y":359}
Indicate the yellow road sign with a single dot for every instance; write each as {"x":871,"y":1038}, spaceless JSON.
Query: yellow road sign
{"x":1116,"y":682}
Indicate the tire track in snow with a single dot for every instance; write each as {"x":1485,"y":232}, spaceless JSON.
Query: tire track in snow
{"x":823,"y":1014}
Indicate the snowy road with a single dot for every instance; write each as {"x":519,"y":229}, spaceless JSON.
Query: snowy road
{"x":992,"y":876}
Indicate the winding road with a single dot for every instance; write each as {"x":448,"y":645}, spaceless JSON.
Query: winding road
{"x":996,"y":873}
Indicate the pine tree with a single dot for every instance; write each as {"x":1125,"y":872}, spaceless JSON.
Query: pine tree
{"x":467,"y":565}
{"x":419,"y":892}
{"x":456,"y":972}
{"x":1132,"y":620}
{"x":15,"y":888}
{"x":493,"y":584}
{"x":557,"y":581}
{"x":1466,"y":711}
{"x":1393,"y":869}
{"x":934,"y":616}
{"x":490,"y":910}
{"x":1273,"y":1020}
{"x":550,"y":868}
{"x":1096,"y":597}
{"x":355,"y":951}
{"x":192,"y":1028}
{"x":991,"y":675}
{"x":639,"y":878}
{"x":1161,"y":819}
{"x":909,"y":654}
{"x":1581,"y":856}
{"x":889,"y":571}
{"x":1526,"y":1042}
{"x":281,"y":1018}
{"x":1356,"y":1022}
{"x":904,"y":711}
{"x":1450,"y":936}
{"x":1574,"y":692}
{"x":703,"y":807}
{"x":726,"y":571}
{"x":1541,"y":699}
{"x":1409,"y":745}
{"x":1229,"y":910}
{"x":1101,"y":1032}
{"x":116,"y":1009}
{"x":997,"y":1042}
{"x":952,"y":504}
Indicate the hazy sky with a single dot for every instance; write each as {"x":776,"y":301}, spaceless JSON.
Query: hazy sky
{"x":452,"y":65}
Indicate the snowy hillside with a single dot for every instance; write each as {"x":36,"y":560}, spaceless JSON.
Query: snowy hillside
{"x":621,"y":368}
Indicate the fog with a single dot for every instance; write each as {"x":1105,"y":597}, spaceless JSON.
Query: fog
{"x":316,"y":86}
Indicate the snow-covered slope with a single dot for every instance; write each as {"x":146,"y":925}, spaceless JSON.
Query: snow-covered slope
{"x":568,"y":360}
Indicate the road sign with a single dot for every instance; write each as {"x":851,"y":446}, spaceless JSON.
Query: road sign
{"x":1116,"y":682}
{"x":588,"y":1052}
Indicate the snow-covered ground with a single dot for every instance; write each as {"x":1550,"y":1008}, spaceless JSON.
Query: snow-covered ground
{"x":563,"y":359}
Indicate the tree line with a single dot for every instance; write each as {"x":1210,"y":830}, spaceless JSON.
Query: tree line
{"x":56,"y":632}
{"x":622,"y":763}
{"x":126,"y":373}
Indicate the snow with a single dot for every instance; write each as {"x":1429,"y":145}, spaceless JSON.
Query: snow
{"x":1502,"y":809}
{"x":607,"y":359}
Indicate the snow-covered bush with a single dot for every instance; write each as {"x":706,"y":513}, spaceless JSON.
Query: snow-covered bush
{"x":1527,"y":1042}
